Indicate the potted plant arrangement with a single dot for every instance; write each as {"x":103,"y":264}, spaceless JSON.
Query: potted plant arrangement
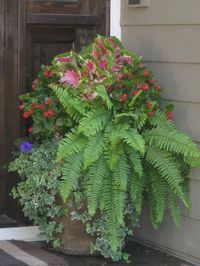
{"x":101,"y":142}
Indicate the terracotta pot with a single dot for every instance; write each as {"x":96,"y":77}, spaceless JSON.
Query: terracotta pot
{"x":74,"y":237}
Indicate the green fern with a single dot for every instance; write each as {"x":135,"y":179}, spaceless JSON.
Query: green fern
{"x":110,"y":210}
{"x":93,"y":122}
{"x":72,"y":105}
{"x":71,"y":171}
{"x":113,"y":155}
{"x":140,"y":121}
{"x":135,"y":160}
{"x":168,"y":169}
{"x":137,"y":187}
{"x":115,"y":132}
{"x":96,"y":174}
{"x":174,"y":208}
{"x":71,"y":144}
{"x":93,"y":150}
{"x":166,"y":137}
{"x":134,"y":140}
{"x":102,"y":93}
{"x":157,"y":190}
{"x":120,"y":182}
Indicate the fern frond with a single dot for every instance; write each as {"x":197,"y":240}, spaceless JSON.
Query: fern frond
{"x":93,"y":149}
{"x":110,"y":211}
{"x":115,"y":132}
{"x":72,"y":143}
{"x":102,"y":93}
{"x":157,"y":190}
{"x":137,"y":185}
{"x":135,"y":160}
{"x":134,"y":140}
{"x":166,"y":138}
{"x":113,"y":155}
{"x":72,"y":105}
{"x":168,"y":169}
{"x":120,"y":181}
{"x":174,"y":208}
{"x":94,"y":121}
{"x":140,"y":121}
{"x":128,"y":117}
{"x":71,"y":171}
{"x":160,"y":117}
{"x":96,"y":174}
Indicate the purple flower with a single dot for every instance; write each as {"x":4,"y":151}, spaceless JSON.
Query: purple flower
{"x":26,"y":147}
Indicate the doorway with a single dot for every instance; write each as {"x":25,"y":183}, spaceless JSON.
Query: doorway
{"x":31,"y":33}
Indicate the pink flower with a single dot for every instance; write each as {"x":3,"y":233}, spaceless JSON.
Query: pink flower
{"x":95,"y":53}
{"x":70,"y":77}
{"x":89,"y":64}
{"x":64,"y":59}
{"x":102,"y":64}
{"x":102,"y":48}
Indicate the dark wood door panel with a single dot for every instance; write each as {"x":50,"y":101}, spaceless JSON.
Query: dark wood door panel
{"x":31,"y":33}
{"x":2,"y":108}
{"x":59,"y":6}
{"x":44,"y":43}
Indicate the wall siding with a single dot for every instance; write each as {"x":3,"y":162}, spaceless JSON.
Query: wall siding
{"x":167,"y":36}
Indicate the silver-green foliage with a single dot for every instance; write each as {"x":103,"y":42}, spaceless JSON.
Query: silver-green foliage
{"x":38,"y":187}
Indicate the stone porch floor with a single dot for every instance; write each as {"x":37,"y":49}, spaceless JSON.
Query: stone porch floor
{"x":141,"y":256}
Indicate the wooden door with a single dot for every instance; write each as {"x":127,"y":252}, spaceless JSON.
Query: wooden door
{"x":31,"y":32}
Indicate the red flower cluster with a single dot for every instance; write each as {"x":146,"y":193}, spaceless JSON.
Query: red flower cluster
{"x":48,"y":113}
{"x":48,"y":73}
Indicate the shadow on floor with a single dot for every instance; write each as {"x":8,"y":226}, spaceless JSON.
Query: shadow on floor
{"x":141,"y":256}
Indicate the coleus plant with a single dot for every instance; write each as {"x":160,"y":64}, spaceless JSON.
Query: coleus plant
{"x":122,"y":146}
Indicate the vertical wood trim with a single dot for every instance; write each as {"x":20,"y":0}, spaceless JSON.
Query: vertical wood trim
{"x":108,"y":17}
{"x":11,"y":94}
{"x":2,"y":107}
{"x":22,"y":55}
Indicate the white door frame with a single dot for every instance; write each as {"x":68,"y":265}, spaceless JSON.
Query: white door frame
{"x":115,"y":18}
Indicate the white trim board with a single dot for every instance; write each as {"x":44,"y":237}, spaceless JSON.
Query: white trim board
{"x":115,"y":18}
{"x":25,"y":233}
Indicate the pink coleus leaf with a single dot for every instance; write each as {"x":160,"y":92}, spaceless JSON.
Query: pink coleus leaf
{"x":89,"y":64}
{"x":102,"y":48}
{"x":126,"y":59}
{"x":70,"y":77}
{"x":95,"y":53}
{"x":102,"y":64}
{"x":64,"y":59}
